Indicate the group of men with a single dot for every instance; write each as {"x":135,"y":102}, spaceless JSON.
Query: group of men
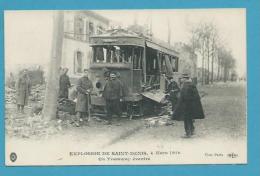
{"x":185,"y":100}
{"x":186,"y":104}
{"x":112,"y":93}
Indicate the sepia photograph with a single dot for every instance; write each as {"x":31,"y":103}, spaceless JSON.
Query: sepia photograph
{"x":125,"y":87}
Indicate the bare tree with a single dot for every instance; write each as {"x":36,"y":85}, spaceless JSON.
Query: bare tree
{"x":214,"y":45}
{"x":52,"y":88}
{"x":227,"y":63}
{"x":204,"y":38}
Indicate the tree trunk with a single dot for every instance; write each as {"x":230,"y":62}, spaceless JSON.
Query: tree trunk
{"x":52,"y":88}
{"x":225,"y":73}
{"x":212,"y":61}
{"x":218,"y":68}
{"x":202,"y":70}
{"x":222,"y":73}
{"x":208,"y":61}
{"x":212,"y":69}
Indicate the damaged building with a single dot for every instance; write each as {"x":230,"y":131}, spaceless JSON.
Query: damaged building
{"x":78,"y":27}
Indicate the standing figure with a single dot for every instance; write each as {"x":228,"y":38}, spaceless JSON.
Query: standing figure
{"x":64,"y":84}
{"x":23,"y":88}
{"x":106,"y":73}
{"x":173,"y":91}
{"x":189,"y":106}
{"x":113,"y":93}
{"x":84,"y":88}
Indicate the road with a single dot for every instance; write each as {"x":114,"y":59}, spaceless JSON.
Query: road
{"x":223,"y":128}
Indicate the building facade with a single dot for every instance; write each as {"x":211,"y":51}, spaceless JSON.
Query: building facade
{"x":78,"y":27}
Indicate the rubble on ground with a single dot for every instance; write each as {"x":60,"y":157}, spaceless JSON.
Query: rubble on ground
{"x":10,"y":95}
{"x":158,"y":121}
{"x":37,"y":93}
{"x":20,"y":125}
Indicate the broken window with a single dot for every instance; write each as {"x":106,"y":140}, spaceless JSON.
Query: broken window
{"x":137,"y":57}
{"x":174,"y":64}
{"x":152,"y":68}
{"x":118,"y":54}
{"x":163,"y":64}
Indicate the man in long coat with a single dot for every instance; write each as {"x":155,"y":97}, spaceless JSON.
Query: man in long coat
{"x":64,"y":84}
{"x":113,"y":93}
{"x":84,"y":88}
{"x":23,"y":89}
{"x":189,"y":106}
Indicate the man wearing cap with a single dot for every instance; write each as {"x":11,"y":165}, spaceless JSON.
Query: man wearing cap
{"x":106,"y":73}
{"x":112,"y":94}
{"x":64,"y":84}
{"x":173,"y":90}
{"x":189,"y":105}
{"x":84,"y":88}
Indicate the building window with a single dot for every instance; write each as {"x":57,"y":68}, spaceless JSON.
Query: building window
{"x":91,"y":28}
{"x":79,"y":28}
{"x":69,"y":29}
{"x":78,"y":62}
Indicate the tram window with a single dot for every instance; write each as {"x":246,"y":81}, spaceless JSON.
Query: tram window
{"x":108,"y":55}
{"x":121,"y":56}
{"x":135,"y":62}
{"x":105,"y":54}
{"x":137,"y":58}
{"x":117,"y":54}
{"x":99,"y":54}
{"x":154,"y":63}
{"x":173,"y":62}
{"x":163,"y":64}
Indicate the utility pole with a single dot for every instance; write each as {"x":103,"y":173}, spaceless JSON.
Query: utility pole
{"x":52,"y":87}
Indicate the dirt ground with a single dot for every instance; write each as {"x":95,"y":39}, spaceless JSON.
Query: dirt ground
{"x":224,"y":126}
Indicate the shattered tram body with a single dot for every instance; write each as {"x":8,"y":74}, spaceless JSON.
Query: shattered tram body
{"x":143,"y":64}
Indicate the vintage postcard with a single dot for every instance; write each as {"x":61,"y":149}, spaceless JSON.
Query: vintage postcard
{"x":125,"y":87}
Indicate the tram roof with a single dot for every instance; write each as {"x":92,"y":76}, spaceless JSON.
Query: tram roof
{"x":126,"y":37}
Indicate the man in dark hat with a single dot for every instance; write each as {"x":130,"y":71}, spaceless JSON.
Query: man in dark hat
{"x":84,"y":88}
{"x":112,"y":93}
{"x":189,"y":105}
{"x":173,"y":91}
{"x":106,"y":73}
{"x":64,"y":84}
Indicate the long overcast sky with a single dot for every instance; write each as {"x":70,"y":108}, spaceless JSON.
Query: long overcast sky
{"x":28,"y":33}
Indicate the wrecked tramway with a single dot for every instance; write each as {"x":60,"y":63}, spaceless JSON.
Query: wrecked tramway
{"x":142,"y":64}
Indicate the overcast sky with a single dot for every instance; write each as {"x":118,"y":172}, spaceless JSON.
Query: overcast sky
{"x":28,"y":33}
